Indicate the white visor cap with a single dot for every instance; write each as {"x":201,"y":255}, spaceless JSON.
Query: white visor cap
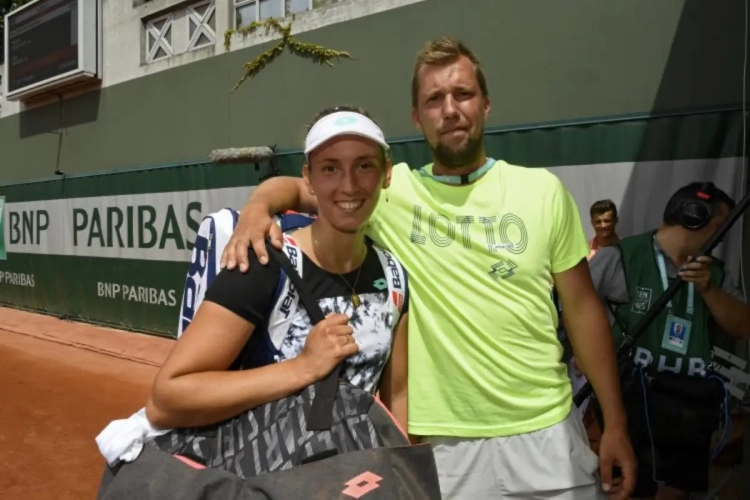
{"x":343,"y":123}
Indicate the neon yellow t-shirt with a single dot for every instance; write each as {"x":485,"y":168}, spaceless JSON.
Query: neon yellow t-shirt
{"x":484,"y":359}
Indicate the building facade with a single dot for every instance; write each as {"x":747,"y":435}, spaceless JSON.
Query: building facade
{"x":165,"y":95}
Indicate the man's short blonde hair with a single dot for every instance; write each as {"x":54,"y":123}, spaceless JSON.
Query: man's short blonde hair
{"x":441,"y":52}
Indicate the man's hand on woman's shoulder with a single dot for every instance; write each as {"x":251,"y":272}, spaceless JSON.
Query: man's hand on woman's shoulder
{"x":253,"y":227}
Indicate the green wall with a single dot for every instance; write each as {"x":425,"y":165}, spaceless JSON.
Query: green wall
{"x":545,"y":61}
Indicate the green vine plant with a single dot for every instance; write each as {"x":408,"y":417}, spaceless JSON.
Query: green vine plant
{"x":316,"y":53}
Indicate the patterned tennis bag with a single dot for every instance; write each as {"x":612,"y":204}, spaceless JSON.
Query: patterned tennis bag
{"x":332,"y":440}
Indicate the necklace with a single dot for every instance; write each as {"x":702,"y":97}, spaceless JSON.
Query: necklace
{"x":355,"y":296}
{"x":356,"y":301}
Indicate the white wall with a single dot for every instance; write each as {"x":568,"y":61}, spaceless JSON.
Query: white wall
{"x":641,"y":191}
{"x":6,"y":107}
{"x":123,"y":34}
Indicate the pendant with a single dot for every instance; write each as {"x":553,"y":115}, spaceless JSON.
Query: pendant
{"x":355,"y":300}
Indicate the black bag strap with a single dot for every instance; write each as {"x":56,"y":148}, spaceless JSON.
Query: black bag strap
{"x":321,"y":413}
{"x":308,"y":302}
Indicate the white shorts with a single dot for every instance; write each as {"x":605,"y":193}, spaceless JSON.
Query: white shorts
{"x":552,"y":463}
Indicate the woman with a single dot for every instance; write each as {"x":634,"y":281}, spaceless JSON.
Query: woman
{"x":242,"y":323}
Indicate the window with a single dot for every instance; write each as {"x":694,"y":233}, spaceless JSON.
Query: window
{"x":201,"y":24}
{"x":249,"y":11}
{"x":295,"y":6}
{"x":159,"y":38}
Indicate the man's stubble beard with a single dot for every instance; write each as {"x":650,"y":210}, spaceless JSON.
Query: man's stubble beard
{"x":451,"y":158}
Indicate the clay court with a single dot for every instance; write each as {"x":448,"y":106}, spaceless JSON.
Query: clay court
{"x":62,"y":383}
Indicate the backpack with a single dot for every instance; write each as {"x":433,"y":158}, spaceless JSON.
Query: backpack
{"x":330,"y":440}
{"x":213,"y":235}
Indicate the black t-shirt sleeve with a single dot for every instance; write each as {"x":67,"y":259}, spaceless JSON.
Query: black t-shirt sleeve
{"x":248,"y":295}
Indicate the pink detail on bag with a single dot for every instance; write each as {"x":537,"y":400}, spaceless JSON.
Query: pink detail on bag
{"x":362,"y":484}
{"x":395,"y":422}
{"x":398,"y":300}
{"x":189,"y":463}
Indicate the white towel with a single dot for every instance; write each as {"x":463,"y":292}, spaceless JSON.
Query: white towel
{"x":123,"y":440}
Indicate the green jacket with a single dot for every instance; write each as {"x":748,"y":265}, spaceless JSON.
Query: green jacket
{"x":644,"y":286}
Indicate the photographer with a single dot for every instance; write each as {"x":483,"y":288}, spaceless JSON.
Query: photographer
{"x":673,"y":401}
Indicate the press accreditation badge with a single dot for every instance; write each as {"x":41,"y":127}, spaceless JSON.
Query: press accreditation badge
{"x":676,"y":335}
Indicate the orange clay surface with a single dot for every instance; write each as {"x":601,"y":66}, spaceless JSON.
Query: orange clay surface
{"x":61,"y":384}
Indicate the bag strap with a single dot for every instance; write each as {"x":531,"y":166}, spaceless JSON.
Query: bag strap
{"x":321,"y":413}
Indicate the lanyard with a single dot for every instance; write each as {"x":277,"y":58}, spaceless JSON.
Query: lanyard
{"x":665,"y":283}
{"x":460,"y":180}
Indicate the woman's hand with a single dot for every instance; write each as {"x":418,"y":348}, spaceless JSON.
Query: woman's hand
{"x":327,"y":345}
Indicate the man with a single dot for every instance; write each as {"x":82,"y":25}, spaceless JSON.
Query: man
{"x":629,"y":276}
{"x":482,"y":242}
{"x":604,"y":221}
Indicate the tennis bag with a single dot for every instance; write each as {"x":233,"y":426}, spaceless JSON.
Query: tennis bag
{"x":331,"y":440}
{"x":213,"y":234}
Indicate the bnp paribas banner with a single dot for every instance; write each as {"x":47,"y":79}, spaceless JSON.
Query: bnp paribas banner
{"x":115,"y":248}
{"x":119,"y":260}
